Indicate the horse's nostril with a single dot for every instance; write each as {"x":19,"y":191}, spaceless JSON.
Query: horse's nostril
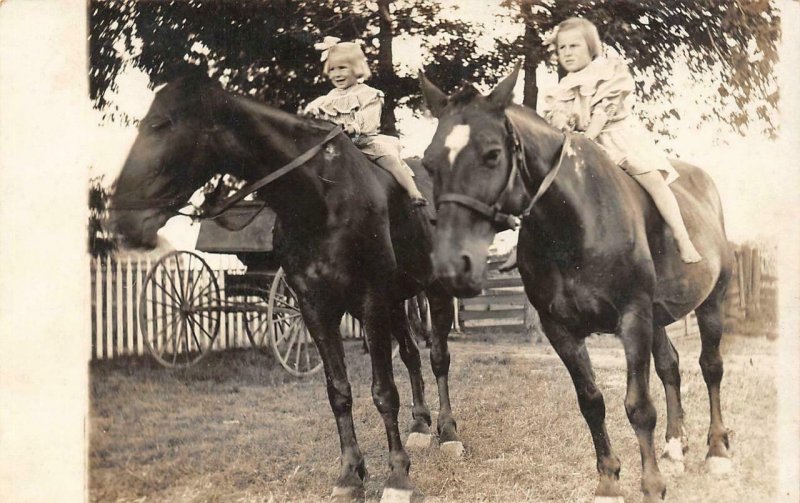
{"x":467,"y":264}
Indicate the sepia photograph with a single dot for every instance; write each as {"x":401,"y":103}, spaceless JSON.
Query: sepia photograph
{"x":399,"y":251}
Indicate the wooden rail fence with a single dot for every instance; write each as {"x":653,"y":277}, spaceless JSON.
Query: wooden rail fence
{"x":751,"y":297}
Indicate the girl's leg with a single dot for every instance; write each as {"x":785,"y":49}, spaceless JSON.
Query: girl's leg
{"x":666,"y":203}
{"x":401,"y":173}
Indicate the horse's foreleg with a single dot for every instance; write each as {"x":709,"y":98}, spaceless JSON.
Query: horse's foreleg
{"x":668,"y":370}
{"x":377,"y":321}
{"x":441,"y":305}
{"x":709,"y":320}
{"x":420,"y":435}
{"x":572,"y":351}
{"x":636,"y":332}
{"x":324,"y":329}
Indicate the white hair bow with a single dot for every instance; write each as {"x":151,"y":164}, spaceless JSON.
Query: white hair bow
{"x":325,"y":46}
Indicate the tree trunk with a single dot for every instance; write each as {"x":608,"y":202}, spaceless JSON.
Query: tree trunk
{"x":530,"y":91}
{"x":386,"y":74}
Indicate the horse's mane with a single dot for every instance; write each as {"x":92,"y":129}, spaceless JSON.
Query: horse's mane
{"x":261,"y":109}
{"x":194,"y":82}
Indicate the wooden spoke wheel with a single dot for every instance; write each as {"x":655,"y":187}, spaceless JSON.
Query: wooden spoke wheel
{"x":287,"y":333}
{"x":256,"y":320}
{"x":179,"y":312}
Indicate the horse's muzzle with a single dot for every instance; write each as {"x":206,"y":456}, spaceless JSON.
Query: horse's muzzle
{"x":461,"y":273}
{"x":135,"y":229}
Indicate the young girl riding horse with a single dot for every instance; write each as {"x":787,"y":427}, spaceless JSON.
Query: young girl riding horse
{"x":357,"y":108}
{"x":594,"y":98}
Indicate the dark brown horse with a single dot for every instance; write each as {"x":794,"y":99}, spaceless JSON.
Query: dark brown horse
{"x":347,"y":237}
{"x":594,"y":255}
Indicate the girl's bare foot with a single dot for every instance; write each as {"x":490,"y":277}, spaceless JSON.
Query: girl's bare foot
{"x":689,"y":253}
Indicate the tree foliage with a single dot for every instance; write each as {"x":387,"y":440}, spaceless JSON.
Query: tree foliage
{"x":733,"y":42}
{"x":264,"y":48}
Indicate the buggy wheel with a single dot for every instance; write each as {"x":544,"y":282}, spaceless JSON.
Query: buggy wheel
{"x":256,"y":320}
{"x":290,"y":340}
{"x":179,"y":309}
{"x":419,"y":318}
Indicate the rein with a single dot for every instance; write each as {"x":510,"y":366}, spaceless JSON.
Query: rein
{"x":218,"y":209}
{"x":507,"y":221}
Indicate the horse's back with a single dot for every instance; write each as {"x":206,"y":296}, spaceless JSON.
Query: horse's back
{"x":682,"y":287}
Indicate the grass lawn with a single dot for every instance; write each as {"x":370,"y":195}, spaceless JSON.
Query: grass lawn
{"x":238,"y":428}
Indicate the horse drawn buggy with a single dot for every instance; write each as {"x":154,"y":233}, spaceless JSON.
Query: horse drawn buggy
{"x":182,"y":305}
{"x":183,"y":302}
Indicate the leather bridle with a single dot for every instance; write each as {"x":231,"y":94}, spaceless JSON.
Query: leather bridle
{"x":501,"y":220}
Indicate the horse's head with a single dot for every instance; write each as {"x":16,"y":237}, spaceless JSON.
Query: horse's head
{"x":169,"y":160}
{"x":470,"y":160}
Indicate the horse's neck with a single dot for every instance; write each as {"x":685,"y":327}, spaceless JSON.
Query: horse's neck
{"x":270,"y":139}
{"x":570,"y":209}
{"x":276,"y":135}
{"x":258,"y":140}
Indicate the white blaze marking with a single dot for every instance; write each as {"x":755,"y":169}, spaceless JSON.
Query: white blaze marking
{"x":330,"y":152}
{"x":570,"y":152}
{"x":456,"y":141}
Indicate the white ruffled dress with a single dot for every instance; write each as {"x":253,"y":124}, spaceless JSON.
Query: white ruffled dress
{"x":607,"y":84}
{"x":360,"y":106}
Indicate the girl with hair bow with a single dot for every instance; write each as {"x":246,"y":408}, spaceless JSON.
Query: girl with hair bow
{"x":357,"y":108}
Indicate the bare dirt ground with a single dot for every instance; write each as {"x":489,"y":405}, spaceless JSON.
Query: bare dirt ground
{"x":237,"y":428}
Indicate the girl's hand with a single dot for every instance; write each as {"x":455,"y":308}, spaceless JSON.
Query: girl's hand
{"x":350,"y":129}
{"x":559,"y":121}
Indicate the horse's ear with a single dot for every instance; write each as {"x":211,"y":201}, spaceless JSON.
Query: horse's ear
{"x":434,"y":97}
{"x":502,"y":94}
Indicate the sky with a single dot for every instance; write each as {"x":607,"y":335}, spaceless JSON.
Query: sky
{"x":747,"y":170}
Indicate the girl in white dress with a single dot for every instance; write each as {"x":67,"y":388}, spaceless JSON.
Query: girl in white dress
{"x":594,"y":98}
{"x":357,"y":108}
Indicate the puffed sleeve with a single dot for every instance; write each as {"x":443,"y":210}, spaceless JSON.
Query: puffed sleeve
{"x":614,"y":84}
{"x":368,"y":116}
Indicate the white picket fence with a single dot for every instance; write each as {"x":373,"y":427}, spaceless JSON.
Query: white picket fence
{"x":116,"y":284}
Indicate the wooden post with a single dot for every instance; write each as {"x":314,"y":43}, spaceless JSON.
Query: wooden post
{"x":533,"y":325}
{"x":456,"y":322}
{"x":754,"y":305}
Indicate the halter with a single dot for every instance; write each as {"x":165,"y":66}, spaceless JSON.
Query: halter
{"x":219,"y":208}
{"x":507,"y":221}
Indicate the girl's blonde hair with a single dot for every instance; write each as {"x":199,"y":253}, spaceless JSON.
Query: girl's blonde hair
{"x":350,"y":53}
{"x":587,"y":29}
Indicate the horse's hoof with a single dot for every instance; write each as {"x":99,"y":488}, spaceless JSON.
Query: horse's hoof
{"x":347,"y":494}
{"x":671,"y":462}
{"x":419,"y":441}
{"x":609,"y":499}
{"x":392,"y":495}
{"x":454,"y":449}
{"x":717,"y":465}
{"x":673,"y":450}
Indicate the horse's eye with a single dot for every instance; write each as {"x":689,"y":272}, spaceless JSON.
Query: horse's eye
{"x":160,"y":123}
{"x":491,"y":157}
